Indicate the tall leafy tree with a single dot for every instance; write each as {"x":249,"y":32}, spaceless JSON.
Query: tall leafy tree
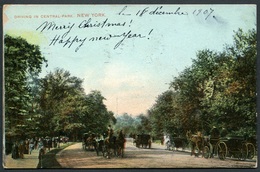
{"x":97,"y":117}
{"x":219,"y":88}
{"x":145,"y":125}
{"x":60,"y":96}
{"x":22,"y":62}
{"x":162,"y":114}
{"x":66,"y":109}
{"x":236,"y":85}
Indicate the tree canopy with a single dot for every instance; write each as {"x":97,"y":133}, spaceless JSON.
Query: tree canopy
{"x":22,"y":64}
{"x":218,"y":89}
{"x":50,"y":106}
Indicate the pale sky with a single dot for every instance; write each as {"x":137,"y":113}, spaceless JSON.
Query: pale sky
{"x":132,"y":75}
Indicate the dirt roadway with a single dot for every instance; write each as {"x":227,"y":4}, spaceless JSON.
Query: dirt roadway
{"x":156,"y":157}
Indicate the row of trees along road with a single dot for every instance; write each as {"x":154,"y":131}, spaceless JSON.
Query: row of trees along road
{"x":50,"y":106}
{"x":218,"y":89}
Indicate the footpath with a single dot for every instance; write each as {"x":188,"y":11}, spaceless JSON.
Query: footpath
{"x":30,"y":161}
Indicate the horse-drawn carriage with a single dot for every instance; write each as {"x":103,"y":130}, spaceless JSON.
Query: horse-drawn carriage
{"x":235,"y":146}
{"x":176,"y":143}
{"x":143,"y":140}
{"x":90,"y":142}
{"x":223,"y":147}
{"x":108,"y":146}
{"x":114,"y":146}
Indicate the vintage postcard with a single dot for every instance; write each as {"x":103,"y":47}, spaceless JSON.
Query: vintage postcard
{"x":129,"y":86}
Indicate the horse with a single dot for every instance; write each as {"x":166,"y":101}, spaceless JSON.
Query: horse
{"x":92,"y":144}
{"x":114,"y":145}
{"x":120,"y":143}
{"x":109,"y":145}
{"x":100,"y":146}
{"x":197,"y":143}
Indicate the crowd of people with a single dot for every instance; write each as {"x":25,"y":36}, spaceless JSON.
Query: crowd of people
{"x":26,"y":146}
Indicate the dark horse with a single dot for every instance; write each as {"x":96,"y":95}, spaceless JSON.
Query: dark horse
{"x":120,"y":143}
{"x":114,"y":145}
{"x":91,"y":143}
{"x":197,"y":143}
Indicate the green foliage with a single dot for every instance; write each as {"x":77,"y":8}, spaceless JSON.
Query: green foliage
{"x":22,"y":62}
{"x":133,"y":125}
{"x":53,"y":105}
{"x":219,"y":89}
{"x":126,"y":123}
{"x":66,"y":109}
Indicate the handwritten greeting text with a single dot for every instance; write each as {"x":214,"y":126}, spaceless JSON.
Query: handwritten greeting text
{"x":66,"y":34}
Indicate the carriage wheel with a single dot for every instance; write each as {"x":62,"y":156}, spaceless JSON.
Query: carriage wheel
{"x":222,"y":150}
{"x":243,"y":152}
{"x":196,"y":151}
{"x":206,"y":152}
{"x":250,"y":151}
{"x":211,"y":150}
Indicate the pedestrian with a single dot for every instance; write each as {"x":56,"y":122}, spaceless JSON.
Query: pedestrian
{"x":31,"y":145}
{"x":49,"y":143}
{"x":53,"y":142}
{"x":40,"y":144}
{"x":21,"y":149}
{"x":58,"y":142}
{"x":41,"y":153}
{"x":26,"y":146}
{"x":15,"y":153}
{"x":162,"y":140}
{"x":36,"y":143}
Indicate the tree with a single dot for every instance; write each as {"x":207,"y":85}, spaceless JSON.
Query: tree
{"x":97,"y":117}
{"x":60,"y":102}
{"x":237,"y":85}
{"x":162,"y":115}
{"x":219,"y":88}
{"x":66,"y":109}
{"x":22,"y":61}
{"x":127,"y":123}
{"x":144,"y":126}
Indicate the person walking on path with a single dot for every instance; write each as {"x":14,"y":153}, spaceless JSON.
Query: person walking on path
{"x":15,"y":153}
{"x":21,"y":149}
{"x":31,"y":146}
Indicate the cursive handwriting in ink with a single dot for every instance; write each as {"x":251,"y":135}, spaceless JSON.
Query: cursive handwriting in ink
{"x":159,"y":11}
{"x":53,"y":26}
{"x":140,"y":13}
{"x":123,"y":36}
{"x":203,"y":12}
{"x":68,"y":41}
{"x":89,"y":23}
{"x":122,"y":12}
{"x":126,"y":35}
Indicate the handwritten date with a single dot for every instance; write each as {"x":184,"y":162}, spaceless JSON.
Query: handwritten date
{"x":160,"y":11}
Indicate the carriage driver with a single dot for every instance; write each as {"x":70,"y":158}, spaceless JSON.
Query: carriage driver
{"x":214,"y":133}
{"x":110,"y":132}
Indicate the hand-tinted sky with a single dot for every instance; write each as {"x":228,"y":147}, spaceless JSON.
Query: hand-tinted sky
{"x":157,"y":46}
